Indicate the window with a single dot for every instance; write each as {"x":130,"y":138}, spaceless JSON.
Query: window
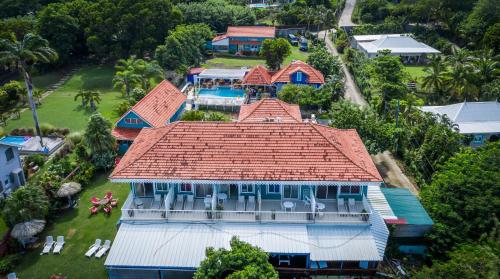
{"x":9,"y":154}
{"x":299,"y":76}
{"x":290,"y":191}
{"x":345,"y":189}
{"x":273,"y":189}
{"x":161,"y":186}
{"x":186,"y":187}
{"x":355,"y":189}
{"x":247,"y":188}
{"x":133,"y":121}
{"x":478,"y":138}
{"x":326,"y":192}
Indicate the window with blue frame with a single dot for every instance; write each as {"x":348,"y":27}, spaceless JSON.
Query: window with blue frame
{"x":9,"y":154}
{"x":186,"y":187}
{"x":162,"y":187}
{"x":273,"y":188}
{"x":478,"y":139}
{"x":354,"y":189}
{"x":133,"y":121}
{"x":299,"y":76}
{"x":246,"y":188}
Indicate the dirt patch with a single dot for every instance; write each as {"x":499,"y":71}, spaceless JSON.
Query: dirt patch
{"x":71,"y":233}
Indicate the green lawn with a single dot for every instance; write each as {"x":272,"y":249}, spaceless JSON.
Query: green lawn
{"x":60,"y":109}
{"x":416,"y":72}
{"x":44,"y":81}
{"x":227,"y":61}
{"x":80,"y":231}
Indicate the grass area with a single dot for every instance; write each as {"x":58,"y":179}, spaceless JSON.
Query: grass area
{"x":60,"y":109}
{"x":3,"y":227}
{"x":80,"y":231}
{"x":44,"y":81}
{"x":227,"y":61}
{"x":416,"y":72}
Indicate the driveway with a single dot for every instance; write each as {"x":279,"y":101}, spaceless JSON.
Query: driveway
{"x":345,"y":18}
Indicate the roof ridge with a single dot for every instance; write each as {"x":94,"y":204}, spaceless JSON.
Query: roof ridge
{"x":458,"y":111}
{"x":258,"y":104}
{"x":286,"y":106}
{"x":336,"y":147}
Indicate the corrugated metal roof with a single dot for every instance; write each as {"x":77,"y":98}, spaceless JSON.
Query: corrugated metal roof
{"x":182,"y":245}
{"x":405,"y":205}
{"x":397,"y":44}
{"x":379,"y":203}
{"x":223,"y":73}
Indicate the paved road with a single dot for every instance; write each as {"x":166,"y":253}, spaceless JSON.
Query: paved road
{"x":345,"y":18}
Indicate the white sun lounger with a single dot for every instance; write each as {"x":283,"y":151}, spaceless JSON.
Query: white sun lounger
{"x":59,"y":245}
{"x":240,"y":205}
{"x":103,"y":249}
{"x":179,"y":202}
{"x":48,"y":245}
{"x":93,"y":248}
{"x":189,"y":202}
{"x":352,"y":205}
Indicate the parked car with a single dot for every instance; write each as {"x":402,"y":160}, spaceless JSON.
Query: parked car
{"x":304,"y":44}
{"x":293,"y":40}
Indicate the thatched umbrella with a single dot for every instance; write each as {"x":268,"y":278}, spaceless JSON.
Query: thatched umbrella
{"x":68,"y":189}
{"x":25,"y":230}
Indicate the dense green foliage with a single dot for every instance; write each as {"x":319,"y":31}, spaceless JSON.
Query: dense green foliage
{"x":218,"y":14}
{"x":464,"y":197}
{"x":275,"y":51}
{"x":241,"y":261}
{"x":184,"y":47}
{"x":310,"y":98}
{"x":197,"y":115}
{"x":99,"y":141}
{"x":16,"y":27}
{"x":24,"y":204}
{"x":321,"y":59}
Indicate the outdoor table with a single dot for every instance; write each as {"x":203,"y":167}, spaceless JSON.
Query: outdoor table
{"x":222,"y":197}
{"x":288,"y":205}
{"x":138,"y":203}
{"x":104,"y":201}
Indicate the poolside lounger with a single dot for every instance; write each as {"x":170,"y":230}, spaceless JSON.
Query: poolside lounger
{"x":189,"y":202}
{"x":240,"y":205}
{"x":251,"y":203}
{"x":59,"y":245}
{"x":93,"y":248}
{"x":48,"y":245}
{"x":179,"y":202}
{"x":104,"y":249}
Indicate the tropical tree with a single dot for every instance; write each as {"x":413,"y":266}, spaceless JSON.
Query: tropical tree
{"x":460,"y":80}
{"x":322,"y":60}
{"x":435,"y":80}
{"x":32,"y":49}
{"x":24,"y":204}
{"x":126,"y":76}
{"x":99,"y":140}
{"x":148,"y":70}
{"x":308,"y":16}
{"x":241,"y":261}
{"x":88,"y":97}
{"x":275,"y":51}
{"x":193,"y":115}
{"x":217,"y":116}
{"x":486,"y":69}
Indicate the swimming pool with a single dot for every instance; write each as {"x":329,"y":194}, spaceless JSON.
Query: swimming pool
{"x":15,"y":140}
{"x":222,"y":92}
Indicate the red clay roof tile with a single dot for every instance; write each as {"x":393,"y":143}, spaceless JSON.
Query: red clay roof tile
{"x":121,"y":133}
{"x":283,"y":75}
{"x":258,"y":75}
{"x":269,"y":108}
{"x":251,"y":31}
{"x":247,"y":151}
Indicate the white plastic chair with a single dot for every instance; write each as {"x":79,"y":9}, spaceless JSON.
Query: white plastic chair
{"x":104,"y":249}
{"x":251,"y":203}
{"x":189,"y":202}
{"x":48,"y":245}
{"x":59,"y":245}
{"x":93,"y":248}
{"x":352,"y":204}
{"x":240,"y":205}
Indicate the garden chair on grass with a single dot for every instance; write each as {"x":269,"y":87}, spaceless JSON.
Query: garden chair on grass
{"x":59,"y":245}
{"x":114,"y":202}
{"x":107,"y":209}
{"x":104,"y":249}
{"x":93,"y":248}
{"x":94,"y":210}
{"x":95,"y":201}
{"x":48,"y":245}
{"x":108,"y":195}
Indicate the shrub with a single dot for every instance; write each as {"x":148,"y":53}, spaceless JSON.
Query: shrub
{"x":64,"y":150}
{"x":75,"y":138}
{"x":23,"y":132}
{"x":81,"y":151}
{"x":217,"y":116}
{"x":46,"y":128}
{"x":122,"y":108}
{"x":85,"y":173}
{"x":138,"y":94}
{"x":36,"y":159}
{"x":193,"y":115}
{"x":7,"y":263}
{"x":24,"y":204}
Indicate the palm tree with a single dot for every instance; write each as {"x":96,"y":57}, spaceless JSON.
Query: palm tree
{"x":89,"y":97}
{"x":435,"y":79}
{"x":83,"y":96}
{"x":486,"y":66}
{"x":23,"y":54}
{"x":148,"y":70}
{"x":308,"y":16}
{"x":126,"y":76}
{"x":460,"y":81}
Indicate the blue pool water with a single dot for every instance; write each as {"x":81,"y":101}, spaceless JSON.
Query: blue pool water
{"x":16,"y":140}
{"x":225,"y":92}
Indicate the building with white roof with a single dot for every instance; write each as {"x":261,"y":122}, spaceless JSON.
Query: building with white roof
{"x":402,"y":45}
{"x":479,"y":119}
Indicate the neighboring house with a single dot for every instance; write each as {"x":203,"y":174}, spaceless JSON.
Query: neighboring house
{"x":297,"y":72}
{"x":242,"y":39}
{"x":163,"y":105}
{"x":402,"y":45}
{"x":270,"y":110}
{"x":296,"y":190}
{"x":481,"y":120}
{"x":11,"y":169}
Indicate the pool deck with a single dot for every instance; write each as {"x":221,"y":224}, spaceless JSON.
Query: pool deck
{"x":31,"y":145}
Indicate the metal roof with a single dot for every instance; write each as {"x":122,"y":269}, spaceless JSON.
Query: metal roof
{"x":223,"y":73}
{"x":182,"y":245}
{"x":397,"y":44}
{"x":471,"y":117}
{"x":406,"y":206}
{"x":378,"y":202}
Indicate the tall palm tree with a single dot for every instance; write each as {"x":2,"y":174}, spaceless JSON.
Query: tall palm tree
{"x":126,"y":76}
{"x":460,"y":81}
{"x":90,"y":97}
{"x":148,"y":70}
{"x":23,"y":54}
{"x":486,"y":66}
{"x":308,"y":16}
{"x":435,"y":79}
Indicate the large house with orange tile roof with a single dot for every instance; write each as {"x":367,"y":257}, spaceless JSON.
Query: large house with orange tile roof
{"x":163,"y":105}
{"x":297,"y":190}
{"x":242,"y":39}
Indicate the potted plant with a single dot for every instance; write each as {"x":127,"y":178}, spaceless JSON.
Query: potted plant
{"x":219,"y":208}
{"x":273,"y":214}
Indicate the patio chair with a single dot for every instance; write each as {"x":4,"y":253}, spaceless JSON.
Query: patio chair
{"x":283,"y":259}
{"x":94,"y":209}
{"x":251,"y":203}
{"x":240,"y":205}
{"x":93,"y":248}
{"x":12,"y":275}
{"x":59,"y":245}
{"x":341,"y":205}
{"x":107,"y":209}
{"x":104,"y":249}
{"x":189,"y":202}
{"x":47,"y":245}
{"x":114,"y":202}
{"x":179,"y":202}
{"x":108,"y":195}
{"x":95,"y":201}
{"x":352,"y":204}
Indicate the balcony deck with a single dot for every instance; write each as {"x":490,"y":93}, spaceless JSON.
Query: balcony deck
{"x":270,"y":211}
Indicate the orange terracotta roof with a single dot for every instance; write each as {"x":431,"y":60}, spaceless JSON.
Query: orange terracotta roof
{"x":159,"y":105}
{"x":251,"y":31}
{"x":283,"y":75}
{"x":219,"y":37}
{"x":258,"y":75}
{"x":194,"y":71}
{"x":247,"y":151}
{"x":269,"y":108}
{"x":121,"y":133}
